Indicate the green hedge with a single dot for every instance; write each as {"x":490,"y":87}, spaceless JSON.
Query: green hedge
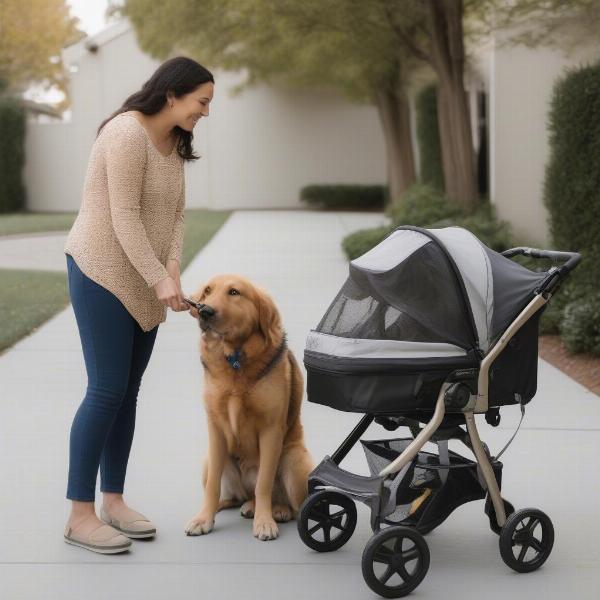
{"x":580,"y":324}
{"x":359,"y":242}
{"x":572,"y":184}
{"x":572,"y":196}
{"x":428,"y":137}
{"x":345,"y":196}
{"x":426,"y":206}
{"x":12,"y":155}
{"x":484,"y":224}
{"x":422,"y":205}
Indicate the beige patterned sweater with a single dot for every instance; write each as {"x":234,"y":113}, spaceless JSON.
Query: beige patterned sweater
{"x":131,"y":218}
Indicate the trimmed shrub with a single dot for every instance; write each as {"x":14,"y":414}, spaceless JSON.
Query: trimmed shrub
{"x":583,"y":283}
{"x":422,"y":205}
{"x":12,"y":155}
{"x":551,"y":318}
{"x":580,"y":325}
{"x":425,"y":206}
{"x":572,"y":183}
{"x":572,"y":196}
{"x":484,"y":224}
{"x":359,"y":242}
{"x":372,"y":197}
{"x":428,"y":138}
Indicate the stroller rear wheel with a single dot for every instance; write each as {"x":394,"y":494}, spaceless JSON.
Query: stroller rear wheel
{"x":326,"y":520}
{"x":531,"y":532}
{"x":395,"y":561}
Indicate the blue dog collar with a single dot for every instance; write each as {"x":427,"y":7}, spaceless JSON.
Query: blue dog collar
{"x":235,"y":359}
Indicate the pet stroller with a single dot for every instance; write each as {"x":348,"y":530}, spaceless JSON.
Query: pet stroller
{"x":430,"y":328}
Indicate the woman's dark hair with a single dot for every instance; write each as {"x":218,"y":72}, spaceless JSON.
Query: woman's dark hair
{"x":179,"y":75}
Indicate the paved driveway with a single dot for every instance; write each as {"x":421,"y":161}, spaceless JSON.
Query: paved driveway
{"x":296,"y":256}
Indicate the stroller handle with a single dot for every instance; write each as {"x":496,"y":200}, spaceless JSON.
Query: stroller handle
{"x":572,"y":258}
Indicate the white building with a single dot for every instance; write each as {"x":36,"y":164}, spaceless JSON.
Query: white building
{"x":519,"y":82}
{"x":261,"y":147}
{"x":258,"y":149}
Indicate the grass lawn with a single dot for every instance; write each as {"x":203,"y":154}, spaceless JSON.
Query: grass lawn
{"x":29,"y":298}
{"x":200,"y":226}
{"x":31,"y":222}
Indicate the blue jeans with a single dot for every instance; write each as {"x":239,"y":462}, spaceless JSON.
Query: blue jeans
{"x":116,"y":351}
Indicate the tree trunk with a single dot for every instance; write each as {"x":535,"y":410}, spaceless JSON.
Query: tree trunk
{"x":394,"y":114}
{"x":448,"y":58}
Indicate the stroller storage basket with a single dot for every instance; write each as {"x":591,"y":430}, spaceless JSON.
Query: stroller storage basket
{"x":433,"y":486}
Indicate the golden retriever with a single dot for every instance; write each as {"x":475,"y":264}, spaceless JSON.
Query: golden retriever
{"x":253,"y":389}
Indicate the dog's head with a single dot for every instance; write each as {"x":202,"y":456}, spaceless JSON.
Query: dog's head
{"x":235,"y":308}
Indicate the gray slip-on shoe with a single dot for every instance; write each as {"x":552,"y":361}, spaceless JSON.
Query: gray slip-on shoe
{"x":137,"y":526}
{"x":104,"y":539}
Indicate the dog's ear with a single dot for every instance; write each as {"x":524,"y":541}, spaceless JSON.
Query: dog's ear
{"x":269,"y":319}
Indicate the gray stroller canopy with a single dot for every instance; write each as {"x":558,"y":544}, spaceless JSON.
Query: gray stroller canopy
{"x":424,"y":293}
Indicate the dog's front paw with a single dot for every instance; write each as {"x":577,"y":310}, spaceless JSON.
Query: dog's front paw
{"x":265,"y":528}
{"x":199,"y":525}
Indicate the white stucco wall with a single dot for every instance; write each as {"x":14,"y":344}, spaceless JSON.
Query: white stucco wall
{"x":520,"y":91}
{"x":258,"y":149}
{"x":55,"y":161}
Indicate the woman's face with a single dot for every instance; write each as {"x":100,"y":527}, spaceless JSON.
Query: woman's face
{"x":190,"y":108}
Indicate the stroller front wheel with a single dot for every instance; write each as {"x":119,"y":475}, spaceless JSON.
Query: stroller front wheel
{"x":531,"y":532}
{"x":395,"y":561}
{"x":326,"y":520}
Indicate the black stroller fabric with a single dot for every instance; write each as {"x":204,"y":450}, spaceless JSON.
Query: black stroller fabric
{"x":402,"y":303}
{"x":420,"y":305}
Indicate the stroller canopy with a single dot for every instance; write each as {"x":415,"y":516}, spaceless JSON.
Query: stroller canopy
{"x":424,"y":293}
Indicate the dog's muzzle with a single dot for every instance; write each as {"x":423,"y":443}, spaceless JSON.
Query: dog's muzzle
{"x":205,"y":313}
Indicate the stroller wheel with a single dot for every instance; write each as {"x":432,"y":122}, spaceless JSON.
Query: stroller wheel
{"x":531,"y":533}
{"x":326,"y":520}
{"x":509,"y":509}
{"x":395,"y":561}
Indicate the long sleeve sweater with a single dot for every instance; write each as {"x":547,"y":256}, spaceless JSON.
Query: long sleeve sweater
{"x":131,"y":219}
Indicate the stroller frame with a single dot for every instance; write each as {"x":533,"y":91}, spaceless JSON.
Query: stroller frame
{"x":480,"y":403}
{"x":379,"y":491}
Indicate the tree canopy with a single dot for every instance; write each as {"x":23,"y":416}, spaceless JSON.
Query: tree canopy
{"x":32,"y":36}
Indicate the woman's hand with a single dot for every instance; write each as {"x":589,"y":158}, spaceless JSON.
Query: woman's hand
{"x":168,"y":291}
{"x":173,"y":270}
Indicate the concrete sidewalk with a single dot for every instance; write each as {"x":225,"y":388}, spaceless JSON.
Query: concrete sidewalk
{"x":297,"y":257}
{"x":39,"y":251}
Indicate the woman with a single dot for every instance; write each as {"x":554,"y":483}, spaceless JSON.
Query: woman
{"x":123,"y":254}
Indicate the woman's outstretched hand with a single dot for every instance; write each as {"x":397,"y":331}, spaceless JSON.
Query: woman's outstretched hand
{"x":168,"y":290}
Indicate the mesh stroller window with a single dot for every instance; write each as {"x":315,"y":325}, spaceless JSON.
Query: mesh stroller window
{"x":418,"y":300}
